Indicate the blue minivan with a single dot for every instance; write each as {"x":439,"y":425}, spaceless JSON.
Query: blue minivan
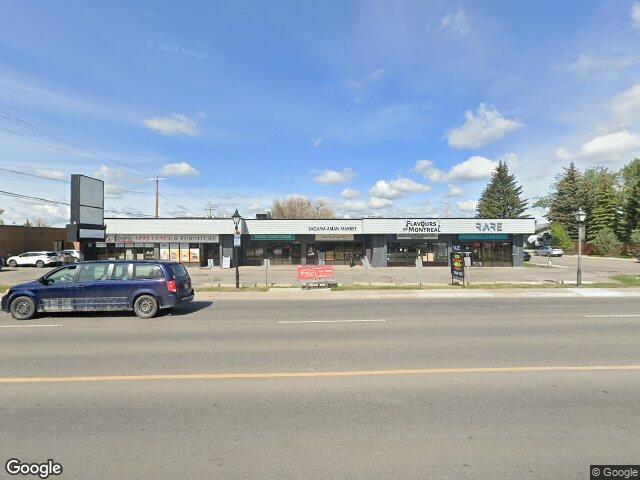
{"x":144,"y":286}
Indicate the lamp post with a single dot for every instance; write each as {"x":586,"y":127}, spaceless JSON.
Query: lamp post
{"x":581,"y":216}
{"x":236,"y":243}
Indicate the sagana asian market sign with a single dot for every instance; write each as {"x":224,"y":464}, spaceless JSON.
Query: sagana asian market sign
{"x":421,"y":226}
{"x":332,"y":228}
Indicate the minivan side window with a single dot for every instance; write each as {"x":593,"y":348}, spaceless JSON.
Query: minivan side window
{"x":178,"y":270}
{"x":93,"y":272}
{"x":120,"y":271}
{"x":64,"y":275}
{"x":147,"y":272}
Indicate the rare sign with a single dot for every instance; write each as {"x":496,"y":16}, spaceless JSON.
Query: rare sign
{"x":457,"y":267}
{"x":314,"y":273}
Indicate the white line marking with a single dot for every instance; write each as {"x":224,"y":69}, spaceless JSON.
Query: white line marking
{"x":613,"y":315}
{"x":27,"y":326}
{"x":333,"y":321}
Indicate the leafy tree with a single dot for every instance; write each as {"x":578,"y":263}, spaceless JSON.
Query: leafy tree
{"x":297,"y":207}
{"x":560,"y":237}
{"x":501,"y":198}
{"x":566,"y":198}
{"x":634,"y":240}
{"x":603,"y":214}
{"x":605,"y":242}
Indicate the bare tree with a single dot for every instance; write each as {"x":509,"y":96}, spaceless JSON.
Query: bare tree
{"x":300,"y":207}
{"x":38,"y":222}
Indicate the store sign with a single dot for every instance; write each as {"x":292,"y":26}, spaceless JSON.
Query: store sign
{"x":334,"y":237}
{"x":421,"y":226}
{"x":417,"y":236}
{"x":483,"y":236}
{"x":158,"y":237}
{"x":273,"y":236}
{"x":489,"y":226}
{"x":332,"y":229}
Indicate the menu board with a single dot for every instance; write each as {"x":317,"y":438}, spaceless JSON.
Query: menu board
{"x":457,"y":267}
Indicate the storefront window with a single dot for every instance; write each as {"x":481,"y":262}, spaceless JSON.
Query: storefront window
{"x":405,"y":253}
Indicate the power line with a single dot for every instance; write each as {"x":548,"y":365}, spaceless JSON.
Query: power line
{"x":105,"y":158}
{"x":58,"y":202}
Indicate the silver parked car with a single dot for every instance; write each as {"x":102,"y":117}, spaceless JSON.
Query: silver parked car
{"x":549,"y":251}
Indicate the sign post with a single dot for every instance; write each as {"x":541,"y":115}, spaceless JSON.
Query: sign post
{"x":367,"y":267}
{"x":266,"y":263}
{"x":419,"y":267}
{"x":457,"y":268}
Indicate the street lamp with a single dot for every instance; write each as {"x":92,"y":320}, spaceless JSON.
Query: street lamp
{"x":236,"y":243}
{"x":581,"y":216}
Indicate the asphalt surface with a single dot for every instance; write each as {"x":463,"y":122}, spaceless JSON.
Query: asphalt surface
{"x":450,"y":423}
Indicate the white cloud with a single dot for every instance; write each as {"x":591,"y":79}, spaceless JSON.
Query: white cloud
{"x":109,"y":174}
{"x":454,"y":191}
{"x":371,"y":77}
{"x":468,"y":206}
{"x":635,"y":14}
{"x":176,"y":124}
{"x":429,"y":170}
{"x":474,"y":168}
{"x":396,"y":188}
{"x":481,"y":128}
{"x":349,"y":193}
{"x":333,"y":177}
{"x":317,"y":142}
{"x":376,"y":203}
{"x":456,"y":22}
{"x":611,"y":147}
{"x":53,"y":174}
{"x":354,"y":206}
{"x":180,"y":169}
{"x":582,"y":66}
{"x":563,"y":154}
{"x":625,"y":107}
{"x":511,"y":159}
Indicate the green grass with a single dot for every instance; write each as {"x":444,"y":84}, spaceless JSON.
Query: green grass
{"x":3,"y":288}
{"x":628,"y":280}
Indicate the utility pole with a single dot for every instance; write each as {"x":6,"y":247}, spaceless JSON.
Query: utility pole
{"x":446,"y":209}
{"x":157,"y":180}
{"x":208,"y":210}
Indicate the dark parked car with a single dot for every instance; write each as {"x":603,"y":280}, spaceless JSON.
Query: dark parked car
{"x":109,"y":285}
{"x":526,"y":256}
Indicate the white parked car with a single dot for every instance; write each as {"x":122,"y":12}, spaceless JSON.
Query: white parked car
{"x":549,"y":251}
{"x":38,"y":259}
{"x":73,"y":254}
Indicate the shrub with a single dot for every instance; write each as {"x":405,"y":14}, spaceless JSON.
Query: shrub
{"x":560,"y":237}
{"x":606,"y":243}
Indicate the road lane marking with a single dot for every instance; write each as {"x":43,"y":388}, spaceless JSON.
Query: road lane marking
{"x":276,"y":375}
{"x":622,"y":315}
{"x":28,"y":326}
{"x":332,"y":321}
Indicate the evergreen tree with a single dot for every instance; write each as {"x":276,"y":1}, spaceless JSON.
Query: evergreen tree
{"x":501,"y":198}
{"x":632,"y":208}
{"x":605,"y":204}
{"x":566,"y":198}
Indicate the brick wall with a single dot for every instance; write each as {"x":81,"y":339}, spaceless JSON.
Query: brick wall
{"x":16,"y":239}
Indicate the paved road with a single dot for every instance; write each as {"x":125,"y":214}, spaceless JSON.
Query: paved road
{"x":286,"y":408}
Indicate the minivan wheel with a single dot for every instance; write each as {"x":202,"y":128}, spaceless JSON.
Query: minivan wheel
{"x":145,"y":306}
{"x":13,"y":263}
{"x":22,"y":308}
{"x":39,"y":264}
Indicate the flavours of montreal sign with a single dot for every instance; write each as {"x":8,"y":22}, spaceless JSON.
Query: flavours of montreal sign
{"x":421,"y":226}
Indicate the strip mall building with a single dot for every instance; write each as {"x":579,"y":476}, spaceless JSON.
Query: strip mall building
{"x":386,"y":242}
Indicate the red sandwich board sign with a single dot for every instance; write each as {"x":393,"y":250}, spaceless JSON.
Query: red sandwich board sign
{"x":314,"y":273}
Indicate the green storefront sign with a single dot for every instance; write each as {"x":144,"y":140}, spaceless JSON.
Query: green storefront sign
{"x":483,"y":236}
{"x":273,"y":236}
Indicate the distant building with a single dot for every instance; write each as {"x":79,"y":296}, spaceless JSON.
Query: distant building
{"x":17,"y":239}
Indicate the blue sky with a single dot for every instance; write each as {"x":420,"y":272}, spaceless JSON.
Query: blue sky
{"x":381,"y":108}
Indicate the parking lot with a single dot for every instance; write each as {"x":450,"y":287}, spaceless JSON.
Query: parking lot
{"x":595,"y":269}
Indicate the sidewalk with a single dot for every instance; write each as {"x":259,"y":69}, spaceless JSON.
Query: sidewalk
{"x":286,"y":294}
